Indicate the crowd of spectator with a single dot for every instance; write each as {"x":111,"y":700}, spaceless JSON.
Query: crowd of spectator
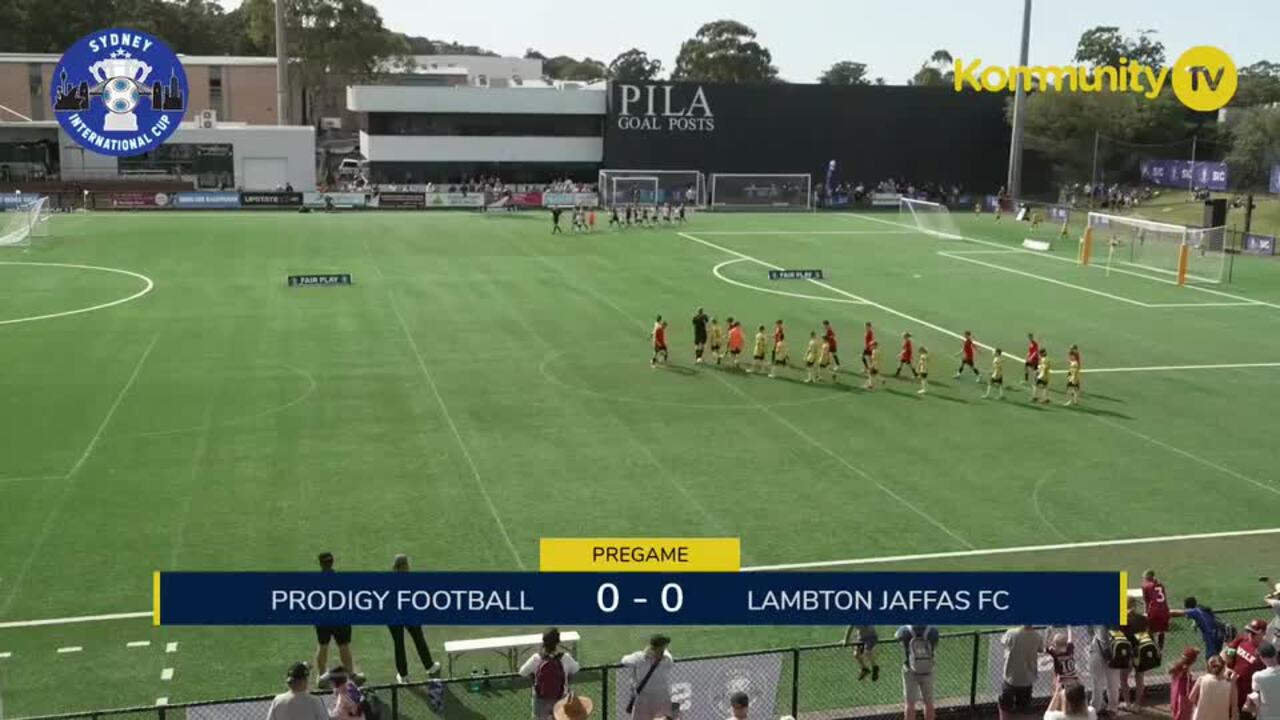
{"x":1114,"y":196}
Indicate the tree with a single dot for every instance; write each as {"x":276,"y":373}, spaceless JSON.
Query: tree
{"x":846,"y":72}
{"x":531,"y":54}
{"x":724,"y":51}
{"x":563,"y":67}
{"x":1105,"y":45}
{"x":1259,"y":84}
{"x":1255,"y":147}
{"x":635,"y":65}
{"x":936,"y":71}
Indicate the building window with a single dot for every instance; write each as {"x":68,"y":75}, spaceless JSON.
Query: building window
{"x":215,"y":90}
{"x":35,"y":83}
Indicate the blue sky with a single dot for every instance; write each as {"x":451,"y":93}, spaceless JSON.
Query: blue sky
{"x":893,"y":37}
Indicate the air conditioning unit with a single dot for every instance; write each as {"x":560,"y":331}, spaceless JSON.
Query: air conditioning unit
{"x":208,"y":119}
{"x":331,"y":123}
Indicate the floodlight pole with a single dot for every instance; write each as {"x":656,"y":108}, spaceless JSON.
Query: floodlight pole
{"x":1013,"y":184}
{"x":282,"y":68}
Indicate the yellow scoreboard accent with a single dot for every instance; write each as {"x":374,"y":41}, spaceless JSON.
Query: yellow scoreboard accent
{"x":1124,"y":597}
{"x":640,"y":555}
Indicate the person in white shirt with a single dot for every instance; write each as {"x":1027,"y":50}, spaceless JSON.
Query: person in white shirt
{"x":1068,"y":703}
{"x":298,"y":703}
{"x":1266,"y":686}
{"x":549,"y":682}
{"x":651,"y":680}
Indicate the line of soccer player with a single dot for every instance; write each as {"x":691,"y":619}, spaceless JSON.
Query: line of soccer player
{"x":822,"y":352}
{"x":584,"y":218}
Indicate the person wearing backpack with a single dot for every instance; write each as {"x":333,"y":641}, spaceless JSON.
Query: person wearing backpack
{"x":1212,"y":630}
{"x":551,"y":669}
{"x":1104,"y":684}
{"x":1145,"y":656}
{"x":919,"y":646}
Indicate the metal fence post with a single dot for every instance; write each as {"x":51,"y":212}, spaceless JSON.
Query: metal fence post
{"x":604,"y":693}
{"x":973,"y":677}
{"x":795,"y":682}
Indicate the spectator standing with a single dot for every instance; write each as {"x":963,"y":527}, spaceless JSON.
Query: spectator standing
{"x":865,"y":651}
{"x":651,"y":680}
{"x":1104,"y":692}
{"x":919,"y":646}
{"x":1063,"y":653}
{"x":1272,"y":599}
{"x":401,"y":564}
{"x":1206,"y":622}
{"x":1243,"y":659}
{"x":348,"y":699}
{"x":298,"y":703}
{"x":551,"y":669}
{"x":738,"y":704}
{"x":341,"y":634}
{"x":1068,"y":703}
{"x":1022,"y":648}
{"x":1266,"y":686}
{"x":1214,"y":696}
{"x":1180,"y":681}
{"x":1136,"y":630}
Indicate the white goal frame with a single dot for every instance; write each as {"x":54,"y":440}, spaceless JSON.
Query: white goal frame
{"x":677,"y":178}
{"x":613,"y":201}
{"x":929,"y":217}
{"x":716,"y":202}
{"x":19,"y":225}
{"x":1197,"y":241}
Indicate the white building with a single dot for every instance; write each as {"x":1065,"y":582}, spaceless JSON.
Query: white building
{"x":484,"y":70}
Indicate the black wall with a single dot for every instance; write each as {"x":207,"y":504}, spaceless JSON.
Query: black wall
{"x":873,"y":132}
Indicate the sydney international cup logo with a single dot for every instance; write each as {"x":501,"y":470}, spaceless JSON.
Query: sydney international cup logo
{"x":119,"y":92}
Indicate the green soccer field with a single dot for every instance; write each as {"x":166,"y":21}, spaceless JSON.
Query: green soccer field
{"x":483,"y":383}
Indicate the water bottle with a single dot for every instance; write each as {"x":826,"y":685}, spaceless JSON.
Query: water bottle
{"x":474,"y":685}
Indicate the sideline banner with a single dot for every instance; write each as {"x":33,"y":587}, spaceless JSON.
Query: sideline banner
{"x":206,"y":200}
{"x":566,"y":199}
{"x":271,"y":199}
{"x":343,"y":200}
{"x":409,"y":200}
{"x":1259,"y":244}
{"x":136,"y":200}
{"x":445,"y":200}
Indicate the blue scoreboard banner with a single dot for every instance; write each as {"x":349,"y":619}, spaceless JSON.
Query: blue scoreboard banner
{"x":709,"y":598}
{"x":1185,"y":173}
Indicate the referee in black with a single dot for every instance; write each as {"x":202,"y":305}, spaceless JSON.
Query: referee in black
{"x":337,"y":633}
{"x":699,"y":335}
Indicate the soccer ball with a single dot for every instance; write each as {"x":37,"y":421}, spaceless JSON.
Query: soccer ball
{"x":120,"y":95}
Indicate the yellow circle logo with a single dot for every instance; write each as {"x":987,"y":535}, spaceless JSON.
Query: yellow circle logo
{"x":1204,"y":78}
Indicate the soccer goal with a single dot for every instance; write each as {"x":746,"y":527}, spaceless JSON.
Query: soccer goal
{"x":930,"y":218}
{"x":675,"y":187}
{"x":632,"y":190}
{"x":28,"y":220}
{"x":761,"y":191}
{"x":1187,"y":254}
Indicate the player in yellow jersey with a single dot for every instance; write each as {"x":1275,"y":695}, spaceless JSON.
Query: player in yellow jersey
{"x":825,"y":359}
{"x":1040,"y":391}
{"x":811,"y":356}
{"x":996,"y":378}
{"x":757,"y":351}
{"x":873,"y":367}
{"x":1035,"y":219}
{"x":1073,"y":381}
{"x":922,"y":370}
{"x":717,"y":341}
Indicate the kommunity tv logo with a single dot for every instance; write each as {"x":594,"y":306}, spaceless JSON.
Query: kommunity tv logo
{"x":1204,"y":78}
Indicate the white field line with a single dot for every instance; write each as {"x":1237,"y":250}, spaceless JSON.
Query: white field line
{"x":808,"y":232}
{"x":986,"y":552}
{"x":69,"y":649}
{"x":171,"y":647}
{"x":802,"y":296}
{"x":1166,"y":368}
{"x":4,"y":655}
{"x":73,"y":620}
{"x":1006,"y":251}
{"x":1203,"y":305}
{"x":166,"y":674}
{"x":67,"y":484}
{"x":148,"y":285}
{"x":162,"y":701}
{"x":1042,"y":278}
{"x":138,"y":644}
{"x":1197,"y":288}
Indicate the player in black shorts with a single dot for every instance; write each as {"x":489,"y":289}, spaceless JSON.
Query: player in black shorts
{"x":613,"y":217}
{"x":555,"y":221}
{"x":337,"y":633}
{"x":699,"y":335}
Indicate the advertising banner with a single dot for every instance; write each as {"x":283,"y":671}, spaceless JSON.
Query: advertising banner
{"x":135,"y":200}
{"x":1184,"y":173}
{"x":526,"y":199}
{"x":568,"y":199}
{"x":408,"y":200}
{"x":206,"y":200}
{"x":446,"y":200}
{"x":270,"y":199}
{"x":341,"y":200}
{"x":11,"y":200}
{"x":1275,"y":179}
{"x":1259,"y":244}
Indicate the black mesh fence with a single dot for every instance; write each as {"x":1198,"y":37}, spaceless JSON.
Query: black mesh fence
{"x":822,"y":682}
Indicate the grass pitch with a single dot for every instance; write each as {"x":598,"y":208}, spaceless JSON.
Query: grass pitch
{"x":483,"y":384}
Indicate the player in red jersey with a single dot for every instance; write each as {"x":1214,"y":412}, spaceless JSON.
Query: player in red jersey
{"x":659,"y":341}
{"x":868,"y":337}
{"x":966,"y":357}
{"x":905,"y":357}
{"x":1033,"y":359}
{"x":779,"y":340}
{"x":1153,"y":594}
{"x":829,"y":335}
{"x":1243,"y":660}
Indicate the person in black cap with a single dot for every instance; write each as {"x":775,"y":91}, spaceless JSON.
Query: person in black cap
{"x":297,"y":703}
{"x":337,"y":633}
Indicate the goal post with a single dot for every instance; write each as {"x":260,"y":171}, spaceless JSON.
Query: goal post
{"x":930,"y":218}
{"x":632,"y":190}
{"x":674,"y":187}
{"x":21,"y":223}
{"x":761,"y":191}
{"x":1185,"y":254}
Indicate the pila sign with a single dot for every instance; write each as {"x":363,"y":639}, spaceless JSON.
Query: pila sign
{"x":664,"y":108}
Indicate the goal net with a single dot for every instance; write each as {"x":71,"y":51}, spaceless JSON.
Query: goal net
{"x":1188,"y":254}
{"x":674,"y":187}
{"x":930,"y":218}
{"x":20,"y":224}
{"x":731,"y":191}
{"x":632,"y":190}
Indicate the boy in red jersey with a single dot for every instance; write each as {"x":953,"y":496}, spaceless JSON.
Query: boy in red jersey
{"x":829,"y":336}
{"x":967,"y":352}
{"x":659,"y":341}
{"x":1243,"y":660}
{"x":1033,"y":359}
{"x":868,"y":337}
{"x":1153,"y":595}
{"x":778,"y":354}
{"x":735,"y":341}
{"x":905,"y":357}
